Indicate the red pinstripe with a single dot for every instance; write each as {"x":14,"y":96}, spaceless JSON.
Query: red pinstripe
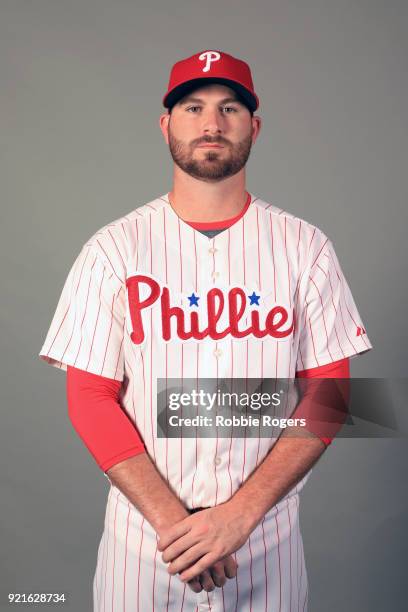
{"x":120,"y":349}
{"x":229,"y":256}
{"x":320,"y":251}
{"x":287,"y":259}
{"x":165,"y":242}
{"x":97,"y":318}
{"x":166,"y":347}
{"x":137,"y":245}
{"x":236,"y":585}
{"x":243,"y":248}
{"x":250,"y":573}
{"x":114,"y":549}
{"x":311,"y":335}
{"x":140,"y":557}
{"x":335,"y":309}
{"x":99,"y":594}
{"x":154,"y":576}
{"x":132,"y":395}
{"x":181,"y":437}
{"x":181,"y":259}
{"x":76,"y":291}
{"x":73,"y":327}
{"x":273,"y":259}
{"x":344,"y":294}
{"x":117,"y":249}
{"x":216,"y":443}
{"x":195,"y":258}
{"x":290,"y":557}
{"x":151,"y":345}
{"x":196,"y":444}
{"x":182,"y":601}
{"x":106,"y":562}
{"x":311,"y":240}
{"x":259,"y":256}
{"x":324,"y":319}
{"x":266,"y":573}
{"x":300,"y":227}
{"x":151,"y":385}
{"x":342,"y":319}
{"x":144,"y":394}
{"x":126,"y":550}
{"x":182,"y":355}
{"x":83,"y":318}
{"x":299,"y":574}
{"x":279,"y":563}
{"x":110,"y":263}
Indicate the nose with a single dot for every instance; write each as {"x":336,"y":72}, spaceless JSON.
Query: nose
{"x":212,"y":121}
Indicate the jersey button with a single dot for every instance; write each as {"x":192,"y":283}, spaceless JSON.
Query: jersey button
{"x":217,"y":460}
{"x":212,"y":250}
{"x":217,"y":352}
{"x":215,"y":275}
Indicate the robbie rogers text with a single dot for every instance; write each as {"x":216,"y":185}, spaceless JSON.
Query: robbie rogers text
{"x":234,"y":421}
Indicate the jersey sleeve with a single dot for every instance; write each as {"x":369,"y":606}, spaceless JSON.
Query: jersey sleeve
{"x":87,"y":329}
{"x":330,"y":326}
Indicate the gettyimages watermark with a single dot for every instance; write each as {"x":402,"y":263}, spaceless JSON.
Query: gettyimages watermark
{"x":264,"y":408}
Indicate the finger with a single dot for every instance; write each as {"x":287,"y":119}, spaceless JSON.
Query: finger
{"x":230,"y":566}
{"x":176,"y":531}
{"x":195,"y":585}
{"x":204,"y":563}
{"x":206,"y":581}
{"x":218,"y":574}
{"x":187,"y":559}
{"x":178,"y":547}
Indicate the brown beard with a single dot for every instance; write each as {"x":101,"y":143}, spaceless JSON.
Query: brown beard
{"x":212,"y":168}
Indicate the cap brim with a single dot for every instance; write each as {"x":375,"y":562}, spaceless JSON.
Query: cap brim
{"x":182,"y":90}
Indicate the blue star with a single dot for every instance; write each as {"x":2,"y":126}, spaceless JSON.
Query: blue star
{"x":193,"y":299}
{"x":254,"y":299}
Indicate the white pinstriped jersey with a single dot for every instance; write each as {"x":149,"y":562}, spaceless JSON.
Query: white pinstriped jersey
{"x":285,"y":260}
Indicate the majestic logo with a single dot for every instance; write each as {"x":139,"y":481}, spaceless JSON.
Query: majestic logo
{"x":225,"y":310}
{"x":209,"y":56}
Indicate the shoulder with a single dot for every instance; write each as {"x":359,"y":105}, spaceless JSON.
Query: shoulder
{"x":308,"y":238}
{"x":115,"y":242}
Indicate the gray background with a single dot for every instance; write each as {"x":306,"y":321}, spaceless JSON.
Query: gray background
{"x":81,"y":89}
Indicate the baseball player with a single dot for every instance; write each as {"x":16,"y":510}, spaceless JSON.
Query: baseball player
{"x":205,"y":281}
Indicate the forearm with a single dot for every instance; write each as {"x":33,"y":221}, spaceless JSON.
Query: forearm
{"x":292,"y":456}
{"x":324,"y":408}
{"x":117,"y":447}
{"x":139,"y":480}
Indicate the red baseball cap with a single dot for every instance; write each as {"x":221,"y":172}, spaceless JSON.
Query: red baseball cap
{"x":211,"y":66}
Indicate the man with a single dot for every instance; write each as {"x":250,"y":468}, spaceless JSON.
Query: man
{"x":206,"y":281}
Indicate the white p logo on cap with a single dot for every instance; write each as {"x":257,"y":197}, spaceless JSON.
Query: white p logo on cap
{"x":209,"y":56}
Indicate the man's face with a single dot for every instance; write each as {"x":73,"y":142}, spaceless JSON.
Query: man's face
{"x":210,"y":133}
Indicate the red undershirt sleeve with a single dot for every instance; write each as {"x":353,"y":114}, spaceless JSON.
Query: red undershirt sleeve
{"x":111,"y":437}
{"x":98,"y":418}
{"x":337,"y":369}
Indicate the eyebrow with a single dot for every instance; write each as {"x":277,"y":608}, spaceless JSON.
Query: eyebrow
{"x":190,"y":99}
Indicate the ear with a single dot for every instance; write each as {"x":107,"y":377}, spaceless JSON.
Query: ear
{"x":164,"y":125}
{"x":256,"y":127}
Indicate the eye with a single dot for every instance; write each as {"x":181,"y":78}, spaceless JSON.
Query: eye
{"x":230,"y":108}
{"x":190,"y":108}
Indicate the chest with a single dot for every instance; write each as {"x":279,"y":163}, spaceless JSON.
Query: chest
{"x":239,"y":284}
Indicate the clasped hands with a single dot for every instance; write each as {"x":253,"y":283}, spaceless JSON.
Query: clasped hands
{"x":199,"y":547}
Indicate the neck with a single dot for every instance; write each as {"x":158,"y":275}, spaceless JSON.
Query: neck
{"x":201,"y":201}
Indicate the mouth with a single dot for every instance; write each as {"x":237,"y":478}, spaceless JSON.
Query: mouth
{"x":210,"y":146}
